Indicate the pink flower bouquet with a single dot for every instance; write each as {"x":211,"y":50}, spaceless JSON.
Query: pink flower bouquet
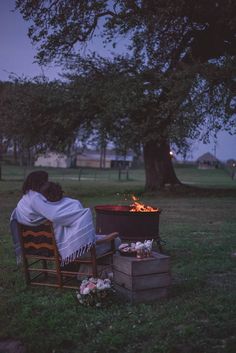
{"x":94,"y":291}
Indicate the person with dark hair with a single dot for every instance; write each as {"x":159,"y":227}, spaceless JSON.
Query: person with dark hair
{"x":32,"y":184}
{"x":72,"y":223}
{"x":52,"y":191}
{"x":34,"y":181}
{"x":23,"y":212}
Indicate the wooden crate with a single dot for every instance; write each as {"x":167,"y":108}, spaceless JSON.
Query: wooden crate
{"x":142,"y":280}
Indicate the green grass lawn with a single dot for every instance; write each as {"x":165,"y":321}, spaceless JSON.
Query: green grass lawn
{"x":199,"y":316}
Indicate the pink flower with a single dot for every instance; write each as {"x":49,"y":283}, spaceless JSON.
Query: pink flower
{"x":91,"y":286}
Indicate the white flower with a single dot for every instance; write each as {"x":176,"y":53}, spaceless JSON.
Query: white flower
{"x":100,"y":284}
{"x":85,"y":291}
{"x":140,"y":246}
{"x":93,"y":280}
{"x":106,"y":286}
{"x":148,"y":244}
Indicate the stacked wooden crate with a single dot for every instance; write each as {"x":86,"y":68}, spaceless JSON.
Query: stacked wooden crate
{"x":142,"y":280}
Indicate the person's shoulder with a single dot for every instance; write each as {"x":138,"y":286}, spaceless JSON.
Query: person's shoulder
{"x":36,"y":196}
{"x":70,"y":200}
{"x":32,"y":193}
{"x":28,"y":197}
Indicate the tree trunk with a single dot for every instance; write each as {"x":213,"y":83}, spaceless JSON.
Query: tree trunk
{"x":29,"y":157}
{"x":103,"y":155}
{"x":1,"y":153}
{"x":15,"y":152}
{"x":158,"y":166}
{"x":21,"y":156}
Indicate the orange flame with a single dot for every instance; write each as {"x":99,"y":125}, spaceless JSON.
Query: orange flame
{"x":140,"y":207}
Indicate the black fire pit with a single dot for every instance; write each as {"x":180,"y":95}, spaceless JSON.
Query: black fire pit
{"x":131,"y":226}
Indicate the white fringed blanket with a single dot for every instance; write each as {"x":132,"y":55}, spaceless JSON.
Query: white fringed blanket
{"x":73,"y":224}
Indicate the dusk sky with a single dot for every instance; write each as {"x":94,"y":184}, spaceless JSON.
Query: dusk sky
{"x":17,"y":56}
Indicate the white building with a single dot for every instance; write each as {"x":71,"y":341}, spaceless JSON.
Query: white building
{"x":53,"y":159}
{"x":208,"y":161}
{"x":92,"y":159}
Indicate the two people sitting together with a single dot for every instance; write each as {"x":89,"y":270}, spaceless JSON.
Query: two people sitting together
{"x":72,"y":223}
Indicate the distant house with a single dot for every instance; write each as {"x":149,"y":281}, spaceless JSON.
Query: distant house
{"x":231,"y":163}
{"x":53,"y":159}
{"x":208,"y":161}
{"x":91,"y":159}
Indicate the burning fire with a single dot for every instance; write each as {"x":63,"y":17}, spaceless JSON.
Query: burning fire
{"x":140,"y":207}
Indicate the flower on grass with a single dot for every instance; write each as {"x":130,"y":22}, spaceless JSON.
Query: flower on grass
{"x":94,"y":291}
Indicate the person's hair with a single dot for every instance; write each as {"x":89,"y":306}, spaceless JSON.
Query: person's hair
{"x":34,"y":181}
{"x":52,"y":191}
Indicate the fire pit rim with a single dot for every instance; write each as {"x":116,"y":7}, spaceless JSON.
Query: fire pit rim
{"x":124,"y":209}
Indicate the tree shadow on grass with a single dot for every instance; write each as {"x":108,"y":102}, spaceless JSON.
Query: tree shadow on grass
{"x":184,"y":190}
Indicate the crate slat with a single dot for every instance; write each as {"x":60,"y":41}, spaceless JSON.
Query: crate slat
{"x":142,"y":282}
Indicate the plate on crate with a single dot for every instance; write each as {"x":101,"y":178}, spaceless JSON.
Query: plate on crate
{"x":126,"y":250}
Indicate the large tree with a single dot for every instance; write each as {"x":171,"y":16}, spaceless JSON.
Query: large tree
{"x":120,"y":99}
{"x":37,"y":115}
{"x":185,"y":43}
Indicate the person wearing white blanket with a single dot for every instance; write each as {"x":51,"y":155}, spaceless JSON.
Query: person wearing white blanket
{"x":73,"y":224}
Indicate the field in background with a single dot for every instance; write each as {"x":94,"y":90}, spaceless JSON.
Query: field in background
{"x":200,"y":314}
{"x":188,"y":174}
